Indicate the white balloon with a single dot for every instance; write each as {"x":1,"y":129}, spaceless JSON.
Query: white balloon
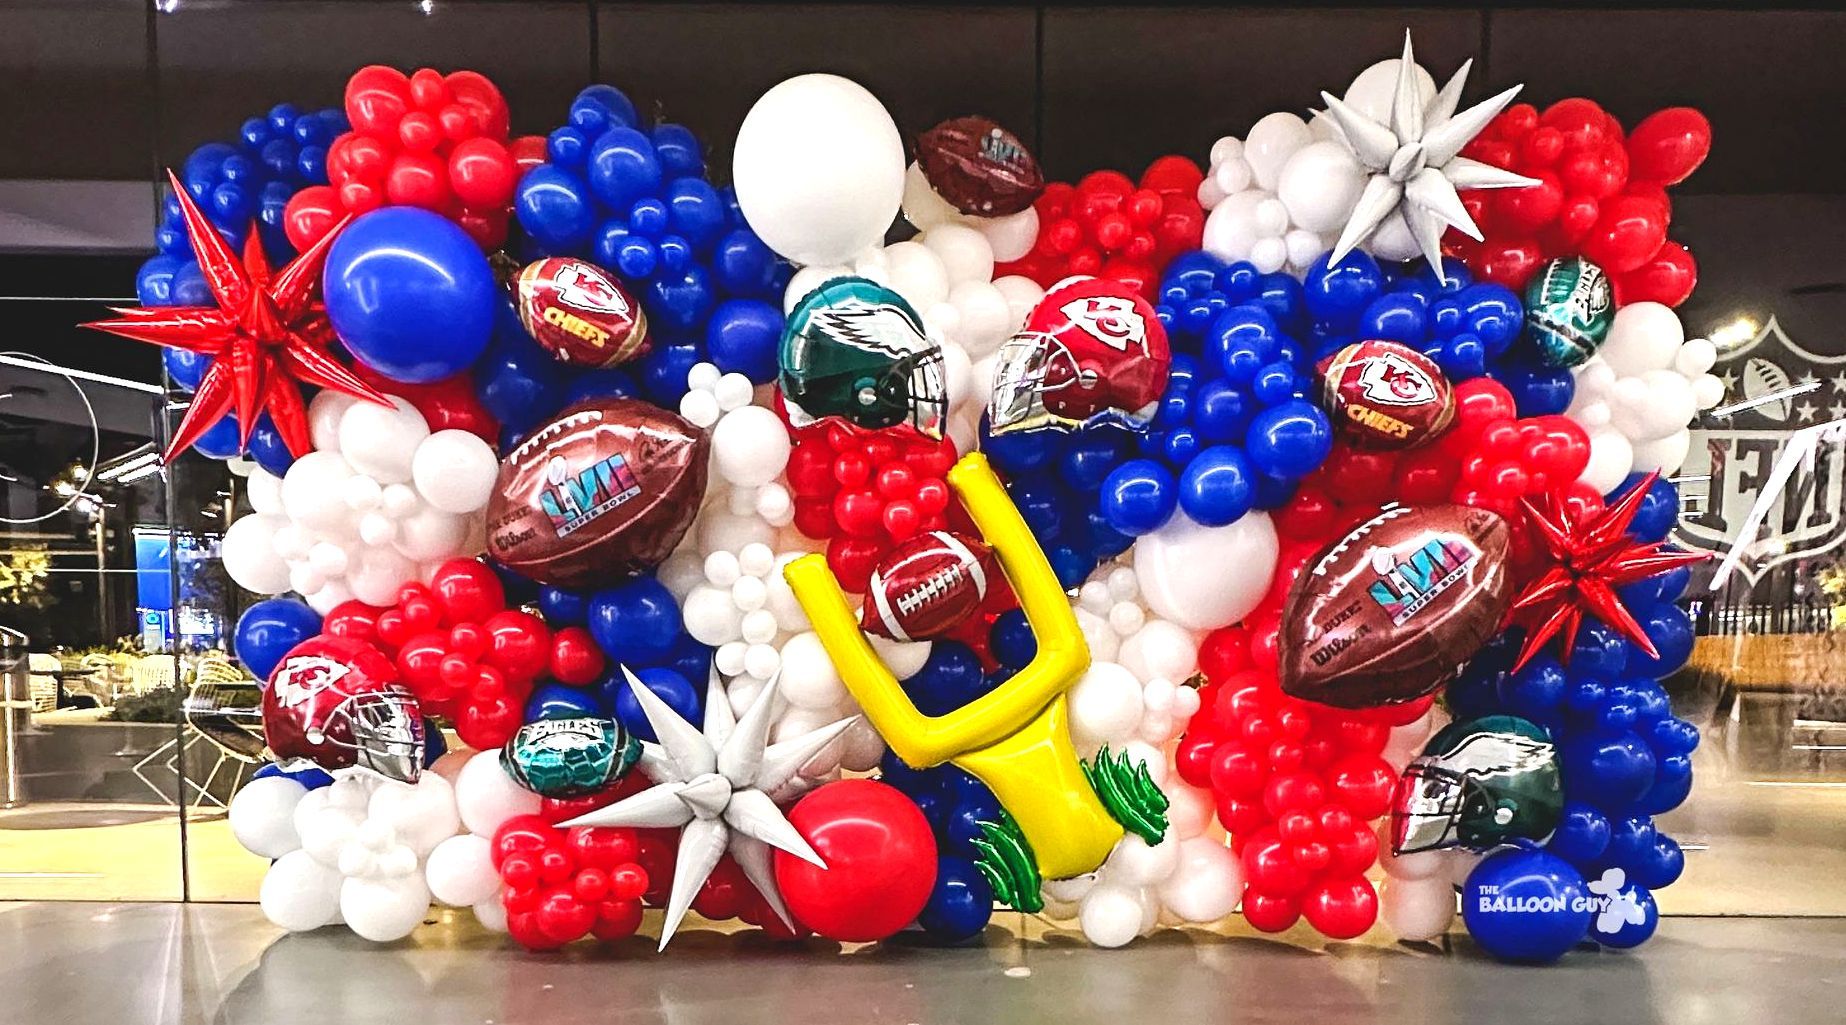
{"x":807,"y":279}
{"x":1167,"y":565}
{"x":917,"y":273}
{"x":924,"y":207}
{"x":818,"y":167}
{"x":421,"y":815}
{"x":729,"y":532}
{"x":381,"y":441}
{"x":1022,"y":293}
{"x":710,"y":616}
{"x":1206,"y":885}
{"x":1416,"y":910}
{"x":248,"y":552}
{"x":1231,"y":229}
{"x":1105,"y":706}
{"x":434,"y":536}
{"x":383,"y":909}
{"x":379,"y":575}
{"x":461,"y":871}
{"x":455,"y":471}
{"x":299,"y":893}
{"x":1135,"y":863}
{"x":264,"y":489}
{"x":1393,"y":240}
{"x":750,"y":447}
{"x":1670,"y":404}
{"x":491,"y":913}
{"x":1160,"y":650}
{"x":809,"y":679}
{"x":861,"y":747}
{"x":1611,"y":460}
{"x":733,"y":392}
{"x":1320,"y":185}
{"x":986,"y":318}
{"x":1370,"y":93}
{"x":1643,"y":336}
{"x":904,"y":658}
{"x":328,"y":597}
{"x":399,"y":500}
{"x":1269,"y":144}
{"x":781,"y":599}
{"x":965,"y":252}
{"x":1012,"y":236}
{"x":324,"y":413}
{"x":1695,"y":357}
{"x":1110,"y":916}
{"x":485,"y":796}
{"x":1304,"y":247}
{"x":1269,"y":255}
{"x":1664,"y":454}
{"x":325,"y":831}
{"x":313,"y":492}
{"x":1707,"y":391}
{"x":262,"y":816}
{"x":1189,"y":810}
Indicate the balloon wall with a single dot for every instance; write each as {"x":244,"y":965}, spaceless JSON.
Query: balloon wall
{"x":871,"y":534}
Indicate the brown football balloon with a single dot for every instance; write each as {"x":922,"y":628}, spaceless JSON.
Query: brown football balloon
{"x":602,"y":492}
{"x":580,"y":313}
{"x":1388,"y":612}
{"x":979,"y":167}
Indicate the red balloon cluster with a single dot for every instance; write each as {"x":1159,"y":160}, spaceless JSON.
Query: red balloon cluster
{"x":427,"y":139}
{"x":1296,"y":784}
{"x":465,"y":654}
{"x":561,"y":885}
{"x":1601,"y":195}
{"x":1108,"y":226}
{"x":864,"y":491}
{"x":449,"y":404}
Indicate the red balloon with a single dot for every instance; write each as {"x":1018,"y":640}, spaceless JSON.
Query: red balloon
{"x":448,"y":404}
{"x":880,"y":856}
{"x":353,"y":620}
{"x":1630,"y":230}
{"x":527,"y":151}
{"x":1668,"y":145}
{"x":575,"y":658}
{"x":1510,"y":262}
{"x":1363,"y":784}
{"x":310,"y":215}
{"x":1341,"y":908}
{"x":1582,"y":122}
{"x":1667,"y":277}
{"x":467,"y":590}
{"x":376,"y":98}
{"x":1524,"y":211}
{"x":1271,"y":868}
{"x":562,"y":916}
{"x":520,"y":644}
{"x":418,"y":179}
{"x":1270,"y":912}
{"x":482,"y":173}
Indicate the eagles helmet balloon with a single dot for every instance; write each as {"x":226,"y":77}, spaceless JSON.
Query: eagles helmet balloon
{"x":1092,"y":351}
{"x":854,"y":349}
{"x":1478,"y":783}
{"x":570,"y":757}
{"x":336,"y":703}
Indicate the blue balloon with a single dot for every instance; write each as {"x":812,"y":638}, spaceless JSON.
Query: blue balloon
{"x":154,"y":287}
{"x":743,"y":337}
{"x":1336,"y":293}
{"x":553,"y":205}
{"x":562,"y":607}
{"x":1139,"y":496}
{"x":410,"y":294}
{"x":1611,"y":770}
{"x":1672,"y":784}
{"x":267,"y":447}
{"x":187,"y":368}
{"x":1670,"y":628}
{"x":1599,"y":651}
{"x":311,"y":777}
{"x":960,"y":904}
{"x":1659,"y":509}
{"x":636,"y":623}
{"x":900,"y":774}
{"x":220,"y":441}
{"x":1525,"y":905}
{"x":1631,"y":841}
{"x":556,"y":701}
{"x":604,"y":382}
{"x":1654,"y":590}
{"x":1582,"y":834}
{"x":603,"y":106}
{"x":1011,"y":640}
{"x":1243,"y":339}
{"x":623,"y":167}
{"x":668,"y":685}
{"x":949,"y":679}
{"x":1536,"y":390}
{"x":1217,"y":486}
{"x":1672,"y":736}
{"x":1625,"y":918}
{"x":742,"y":263}
{"x":1535,"y":691}
{"x":189,"y":287}
{"x":678,"y":149}
{"x":269,"y":629}
{"x":1290,"y":439}
{"x":1396,"y":317}
{"x":516,"y":379}
{"x":1662,"y":866}
{"x":435,"y":745}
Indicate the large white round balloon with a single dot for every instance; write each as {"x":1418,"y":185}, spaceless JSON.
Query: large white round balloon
{"x":461,"y":871}
{"x":1168,"y":562}
{"x":262,"y":816}
{"x":1320,"y":185}
{"x":382,"y":909}
{"x":248,"y":551}
{"x":299,"y":893}
{"x":1207,"y":884}
{"x":380,"y":441}
{"x":486,"y":796}
{"x":819,"y":169}
{"x":454,"y":471}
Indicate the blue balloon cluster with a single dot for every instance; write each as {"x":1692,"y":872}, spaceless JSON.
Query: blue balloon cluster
{"x":1465,"y":327}
{"x":638,"y":201}
{"x":637,"y":624}
{"x":1625,"y":757}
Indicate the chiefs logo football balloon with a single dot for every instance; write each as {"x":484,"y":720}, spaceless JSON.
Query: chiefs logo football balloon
{"x":1386,"y":395}
{"x":336,"y":703}
{"x":1092,"y":351}
{"x":580,"y":313}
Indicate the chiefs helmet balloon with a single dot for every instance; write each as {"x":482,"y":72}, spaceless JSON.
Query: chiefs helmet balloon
{"x":336,"y":703}
{"x":1092,"y":351}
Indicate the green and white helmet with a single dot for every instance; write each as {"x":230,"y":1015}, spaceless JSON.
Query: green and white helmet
{"x":854,"y":349}
{"x":1477,"y":784}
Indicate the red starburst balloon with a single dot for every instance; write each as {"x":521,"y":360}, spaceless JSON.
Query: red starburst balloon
{"x":1590,"y":557}
{"x":267,"y":335}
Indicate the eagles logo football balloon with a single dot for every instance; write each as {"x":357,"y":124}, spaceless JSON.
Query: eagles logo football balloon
{"x":1570,"y":305}
{"x":1091,"y":352}
{"x":1479,"y":783}
{"x":856,"y":350}
{"x":978,"y":167}
{"x":564,"y":758}
{"x":336,"y":702}
{"x":1388,"y":612}
{"x":603,"y":492}
{"x":1386,"y":395}
{"x":580,"y":313}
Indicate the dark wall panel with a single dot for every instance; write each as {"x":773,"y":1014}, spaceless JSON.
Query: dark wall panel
{"x":73,"y":82}
{"x":704,"y":64}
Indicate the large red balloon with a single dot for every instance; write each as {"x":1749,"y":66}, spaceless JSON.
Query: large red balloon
{"x":1630,"y":229}
{"x":880,"y":855}
{"x":1669,"y":145}
{"x":1667,"y":278}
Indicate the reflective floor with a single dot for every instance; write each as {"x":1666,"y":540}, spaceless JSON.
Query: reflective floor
{"x":165,"y":964}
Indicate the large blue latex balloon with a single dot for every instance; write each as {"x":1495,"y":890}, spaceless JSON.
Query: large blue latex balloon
{"x":1217,"y":486}
{"x":1609,"y":769}
{"x":1631,"y":841}
{"x":668,"y":685}
{"x":553,"y":206}
{"x":1599,"y":651}
{"x":1336,"y":293}
{"x":1525,"y":905}
{"x":743,"y":337}
{"x":220,"y":441}
{"x":410,"y":294}
{"x":1582,"y":834}
{"x":556,"y":701}
{"x":1290,"y":439}
{"x":1670,"y":628}
{"x":1662,"y":865}
{"x":562,"y":607}
{"x":1537,"y":390}
{"x":1624,"y":918}
{"x":1011,"y":640}
{"x":960,"y":904}
{"x":1535,"y":690}
{"x":268,"y":629}
{"x":1672,"y":784}
{"x":268,"y":449}
{"x":636,"y":623}
{"x":187,"y":368}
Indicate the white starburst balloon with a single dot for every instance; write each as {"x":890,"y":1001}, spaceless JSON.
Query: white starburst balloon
{"x":1415,"y":163}
{"x":720,"y":788}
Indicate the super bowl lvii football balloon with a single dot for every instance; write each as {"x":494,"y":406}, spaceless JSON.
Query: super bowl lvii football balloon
{"x":1388,"y":612}
{"x":603,"y":492}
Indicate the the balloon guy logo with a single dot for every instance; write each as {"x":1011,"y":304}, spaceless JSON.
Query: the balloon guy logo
{"x":1016,"y":738}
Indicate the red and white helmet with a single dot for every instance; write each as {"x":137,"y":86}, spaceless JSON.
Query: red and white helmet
{"x":1092,"y":351}
{"x":336,"y":702}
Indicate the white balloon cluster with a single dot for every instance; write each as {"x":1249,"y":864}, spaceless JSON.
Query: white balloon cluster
{"x":351,"y":852}
{"x":1637,"y":395}
{"x":461,"y":870}
{"x":381,"y":501}
{"x":749,"y":451}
